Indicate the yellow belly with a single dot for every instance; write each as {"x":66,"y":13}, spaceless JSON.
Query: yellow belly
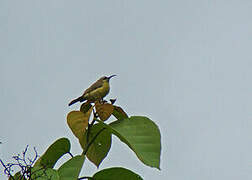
{"x":98,"y":93}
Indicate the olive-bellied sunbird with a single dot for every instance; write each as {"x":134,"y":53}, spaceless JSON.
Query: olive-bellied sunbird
{"x":95,"y":92}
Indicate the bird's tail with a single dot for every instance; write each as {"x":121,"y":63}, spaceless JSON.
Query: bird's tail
{"x":79,"y":99}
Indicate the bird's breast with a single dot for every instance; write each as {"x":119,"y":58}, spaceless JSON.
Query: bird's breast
{"x":98,"y":93}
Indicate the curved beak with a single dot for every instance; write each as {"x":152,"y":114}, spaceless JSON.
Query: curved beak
{"x":111,"y":76}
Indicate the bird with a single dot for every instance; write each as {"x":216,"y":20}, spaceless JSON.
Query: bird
{"x":97,"y":91}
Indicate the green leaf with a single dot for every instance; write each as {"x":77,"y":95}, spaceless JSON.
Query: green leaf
{"x":119,"y":113}
{"x":115,"y":174}
{"x":70,"y":170}
{"x":53,"y":153}
{"x":40,"y":173}
{"x":100,"y":147}
{"x":141,"y":135}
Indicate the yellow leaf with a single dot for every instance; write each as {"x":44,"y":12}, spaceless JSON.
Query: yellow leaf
{"x":104,"y":111}
{"x":78,"y":121}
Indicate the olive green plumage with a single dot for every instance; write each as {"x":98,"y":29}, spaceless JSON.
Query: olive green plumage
{"x":96,"y":91}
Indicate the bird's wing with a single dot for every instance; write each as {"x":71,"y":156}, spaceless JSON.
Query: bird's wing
{"x":96,"y":85}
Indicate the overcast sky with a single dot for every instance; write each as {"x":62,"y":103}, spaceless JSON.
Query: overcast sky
{"x":187,"y":65}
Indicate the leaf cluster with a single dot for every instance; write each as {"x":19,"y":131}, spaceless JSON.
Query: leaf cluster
{"x":139,"y":133}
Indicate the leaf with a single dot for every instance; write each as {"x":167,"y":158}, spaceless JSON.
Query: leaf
{"x":78,"y":121}
{"x":115,"y":174}
{"x":141,"y":135}
{"x":104,"y":111}
{"x":70,"y":170}
{"x":40,"y":173}
{"x":53,"y":153}
{"x":119,"y":113}
{"x":100,"y":147}
{"x":85,"y":107}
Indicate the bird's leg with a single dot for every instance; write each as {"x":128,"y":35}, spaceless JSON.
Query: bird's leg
{"x":102,"y":101}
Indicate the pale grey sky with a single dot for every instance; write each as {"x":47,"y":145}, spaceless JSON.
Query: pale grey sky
{"x":185,"y":64}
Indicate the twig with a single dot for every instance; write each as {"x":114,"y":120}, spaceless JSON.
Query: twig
{"x":6,"y":169}
{"x":91,"y":124}
{"x":23,"y":162}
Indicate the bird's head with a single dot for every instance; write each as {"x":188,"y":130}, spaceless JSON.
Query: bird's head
{"x":104,"y":78}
